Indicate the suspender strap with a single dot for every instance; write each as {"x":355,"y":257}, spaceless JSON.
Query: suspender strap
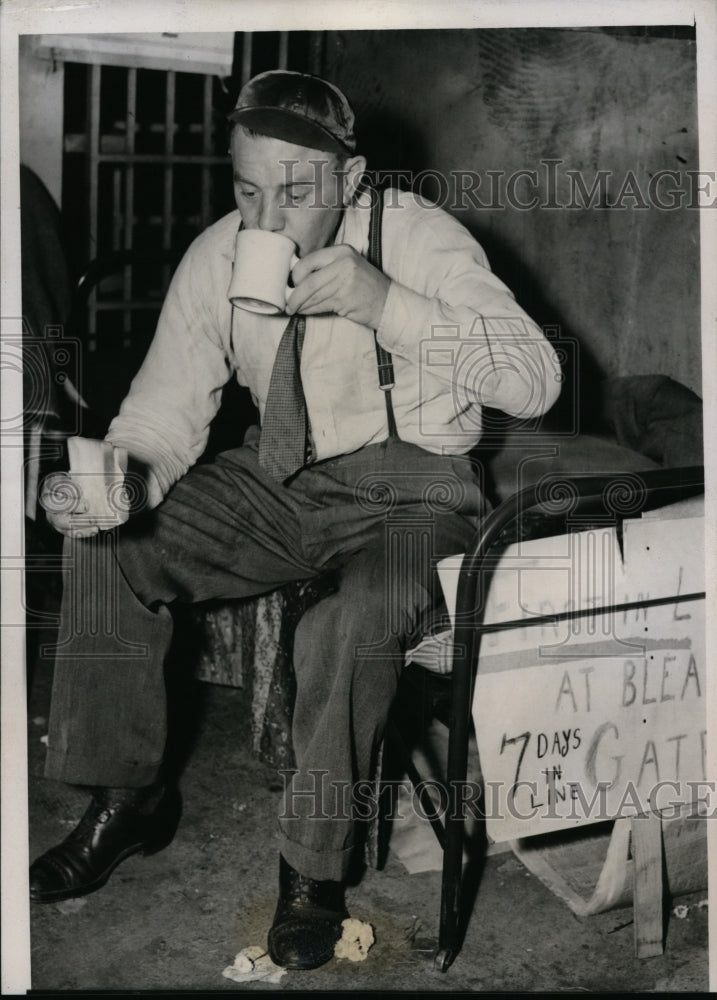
{"x":384,"y":361}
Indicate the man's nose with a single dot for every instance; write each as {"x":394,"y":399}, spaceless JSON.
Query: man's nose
{"x":271,"y":217}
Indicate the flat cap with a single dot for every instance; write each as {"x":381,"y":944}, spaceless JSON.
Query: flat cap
{"x":298,"y":108}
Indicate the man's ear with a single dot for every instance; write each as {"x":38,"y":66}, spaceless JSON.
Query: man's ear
{"x":352,"y":172}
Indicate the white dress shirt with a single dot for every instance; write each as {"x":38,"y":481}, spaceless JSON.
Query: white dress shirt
{"x":458,"y":338}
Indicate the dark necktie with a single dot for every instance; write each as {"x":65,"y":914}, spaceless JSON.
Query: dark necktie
{"x":282,"y":446}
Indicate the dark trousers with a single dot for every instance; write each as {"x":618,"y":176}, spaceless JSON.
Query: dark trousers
{"x":380,"y":518}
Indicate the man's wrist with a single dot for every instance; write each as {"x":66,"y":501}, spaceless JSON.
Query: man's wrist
{"x":380,"y":305}
{"x":405,"y":312}
{"x":139,"y":485}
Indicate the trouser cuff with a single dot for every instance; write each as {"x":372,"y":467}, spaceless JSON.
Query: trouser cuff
{"x":112,"y":773}
{"x":319,"y":865}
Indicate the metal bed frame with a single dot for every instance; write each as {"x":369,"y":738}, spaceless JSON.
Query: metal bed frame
{"x":583,"y":501}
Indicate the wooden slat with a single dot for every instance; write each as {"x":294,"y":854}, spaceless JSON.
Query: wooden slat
{"x":283,"y":57}
{"x":114,"y":146}
{"x":93,"y":145}
{"x":130,"y":129}
{"x":169,"y":128}
{"x":149,"y":158}
{"x":647,"y":884}
{"x":316,"y":53}
{"x":116,"y":209}
{"x":114,"y":305}
{"x":246,"y":57}
{"x":206,"y":149}
{"x":193,"y":52}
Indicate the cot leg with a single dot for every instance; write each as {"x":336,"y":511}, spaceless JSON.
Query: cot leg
{"x":456,"y":772}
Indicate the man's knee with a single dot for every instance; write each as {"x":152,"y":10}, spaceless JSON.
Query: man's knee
{"x":387,"y":596}
{"x":369,"y":616}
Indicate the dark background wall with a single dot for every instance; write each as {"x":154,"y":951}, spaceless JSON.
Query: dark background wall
{"x":623,"y":281}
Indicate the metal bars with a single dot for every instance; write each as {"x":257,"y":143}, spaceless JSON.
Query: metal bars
{"x":113,"y":212}
{"x":121,"y":160}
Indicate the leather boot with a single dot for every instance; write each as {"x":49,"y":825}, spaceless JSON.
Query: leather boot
{"x":118,"y":823}
{"x":307,"y":922}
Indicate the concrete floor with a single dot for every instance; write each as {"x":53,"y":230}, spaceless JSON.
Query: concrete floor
{"x":176,"y":920}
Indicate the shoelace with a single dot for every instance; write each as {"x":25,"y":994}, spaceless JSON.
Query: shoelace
{"x":100,"y":814}
{"x":303,"y":889}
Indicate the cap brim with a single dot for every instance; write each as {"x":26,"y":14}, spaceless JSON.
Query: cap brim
{"x":282,"y":124}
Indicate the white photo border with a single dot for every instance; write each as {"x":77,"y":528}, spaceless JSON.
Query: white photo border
{"x":18,"y":17}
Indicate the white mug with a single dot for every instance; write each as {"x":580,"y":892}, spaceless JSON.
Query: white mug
{"x":260,"y":277}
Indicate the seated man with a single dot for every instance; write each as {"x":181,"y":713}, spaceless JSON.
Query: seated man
{"x":339,"y":461}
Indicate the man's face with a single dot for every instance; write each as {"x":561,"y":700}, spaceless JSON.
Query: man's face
{"x":288,"y":189}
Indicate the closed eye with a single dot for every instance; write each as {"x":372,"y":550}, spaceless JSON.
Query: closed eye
{"x":297,"y":195}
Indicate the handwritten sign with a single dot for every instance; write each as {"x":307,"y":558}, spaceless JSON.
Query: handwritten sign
{"x":587,"y":719}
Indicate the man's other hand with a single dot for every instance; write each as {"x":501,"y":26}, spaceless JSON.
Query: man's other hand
{"x":339,"y":280}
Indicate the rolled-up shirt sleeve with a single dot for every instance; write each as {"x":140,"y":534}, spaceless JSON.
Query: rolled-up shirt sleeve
{"x":164,"y":420}
{"x":448,"y":313}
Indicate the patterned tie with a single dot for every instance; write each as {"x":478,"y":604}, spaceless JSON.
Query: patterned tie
{"x":282,"y":446}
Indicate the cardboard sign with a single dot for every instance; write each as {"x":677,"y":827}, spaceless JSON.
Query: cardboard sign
{"x":583,"y":720}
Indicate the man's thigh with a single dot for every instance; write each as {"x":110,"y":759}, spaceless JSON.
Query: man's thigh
{"x":225,"y":530}
{"x":395,"y":494}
